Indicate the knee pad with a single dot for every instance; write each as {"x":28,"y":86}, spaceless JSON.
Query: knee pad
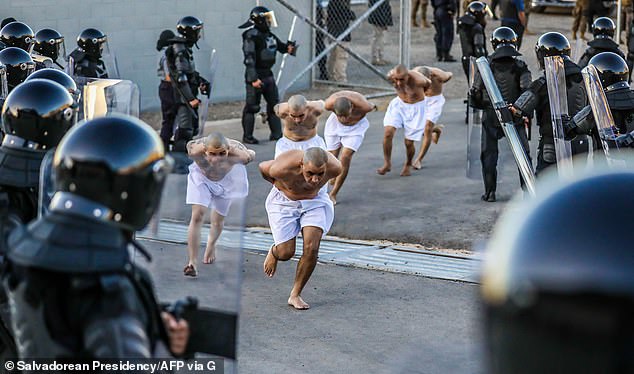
{"x":548,"y":153}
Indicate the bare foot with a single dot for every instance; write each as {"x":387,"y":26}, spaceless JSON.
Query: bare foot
{"x":405,"y":172}
{"x":297,"y":303}
{"x":270,"y":263}
{"x":417,"y":164}
{"x":210,"y":255}
{"x":436,"y":132}
{"x":333,"y":198}
{"x":384,"y":169}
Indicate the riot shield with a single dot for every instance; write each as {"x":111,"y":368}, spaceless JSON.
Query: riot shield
{"x":110,"y":61}
{"x":506,"y":121}
{"x":102,"y":96}
{"x":474,"y":133}
{"x":602,"y":115}
{"x":558,"y":101}
{"x":217,"y":186}
{"x":578,"y":49}
{"x":4,"y":86}
{"x":46,"y":184}
{"x":203,"y":108}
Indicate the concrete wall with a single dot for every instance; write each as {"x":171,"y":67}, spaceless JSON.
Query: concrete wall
{"x":133,"y":27}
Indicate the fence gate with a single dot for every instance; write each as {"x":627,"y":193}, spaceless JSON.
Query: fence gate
{"x":342,"y":42}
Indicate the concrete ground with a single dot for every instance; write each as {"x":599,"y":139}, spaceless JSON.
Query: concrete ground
{"x":360,"y":321}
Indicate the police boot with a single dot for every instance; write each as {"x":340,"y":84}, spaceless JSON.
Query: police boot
{"x":439,"y":55}
{"x":490,"y":181}
{"x":448,"y":58}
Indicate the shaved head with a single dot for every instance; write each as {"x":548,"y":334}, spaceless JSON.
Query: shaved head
{"x":400,"y":69}
{"x":342,"y":106}
{"x":315,"y":156}
{"x":216,"y":140}
{"x":425,"y":70}
{"x":297,"y":103}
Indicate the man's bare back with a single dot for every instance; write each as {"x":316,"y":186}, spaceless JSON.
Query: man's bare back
{"x":289,"y":173}
{"x":360,"y":107}
{"x":216,"y":162}
{"x":299,"y":117}
{"x":437,"y":76}
{"x":410,"y":85}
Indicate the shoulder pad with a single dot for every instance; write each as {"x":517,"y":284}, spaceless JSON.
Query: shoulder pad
{"x":571,"y":68}
{"x":179,"y":47}
{"x":466,"y":20}
{"x":250,"y":33}
{"x":621,"y":99}
{"x":77,"y":54}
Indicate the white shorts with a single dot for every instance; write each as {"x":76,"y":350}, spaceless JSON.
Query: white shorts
{"x":338,"y":135}
{"x":410,"y":117}
{"x":285,"y":144}
{"x":434,"y":108}
{"x":216,"y":195}
{"x":287,"y":217}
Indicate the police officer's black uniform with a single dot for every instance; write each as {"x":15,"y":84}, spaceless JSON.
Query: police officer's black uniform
{"x":512,"y":77}
{"x":536,"y":98}
{"x":471,"y":29}
{"x":260,"y":46}
{"x":86,"y":58}
{"x":73,"y":288}
{"x":186,"y":81}
{"x":444,"y":11}
{"x":603,"y":30}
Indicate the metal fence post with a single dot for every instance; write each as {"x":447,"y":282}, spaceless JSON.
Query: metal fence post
{"x":406,"y":36}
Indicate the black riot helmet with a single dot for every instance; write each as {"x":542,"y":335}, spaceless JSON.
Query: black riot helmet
{"x":502,"y":37}
{"x":60,"y":77}
{"x":612,"y":69}
{"x":50,"y":43}
{"x":18,"y":63}
{"x":115,"y":161}
{"x":262,"y":18}
{"x":17,"y":34}
{"x":478,"y":10}
{"x":603,"y":28}
{"x":551,"y":44}
{"x":191,"y":28}
{"x":557,"y":281}
{"x":92,"y":42}
{"x":37,"y":113}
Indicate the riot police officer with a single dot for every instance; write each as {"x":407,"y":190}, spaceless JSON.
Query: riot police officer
{"x":471,"y":29}
{"x":512,"y":77}
{"x":603,"y":30}
{"x":557,"y":282}
{"x":535,"y":98}
{"x":18,"y":64}
{"x":49,"y":49}
{"x":613,"y":73}
{"x":80,"y":293}
{"x":186,"y":81}
{"x":17,"y":34}
{"x":35,"y":117}
{"x":86,"y":60}
{"x":260,"y":46}
{"x":444,"y":11}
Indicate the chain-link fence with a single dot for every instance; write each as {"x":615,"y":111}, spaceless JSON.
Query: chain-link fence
{"x":355,"y":42}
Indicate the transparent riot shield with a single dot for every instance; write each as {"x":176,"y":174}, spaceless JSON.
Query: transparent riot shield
{"x":217,"y":186}
{"x":506,"y":121}
{"x":205,"y":93}
{"x":474,"y":133}
{"x":103,"y":96}
{"x":4,"y":87}
{"x":578,"y":49}
{"x":558,"y":101}
{"x":602,"y":115}
{"x":46,"y":184}
{"x":110,"y":61}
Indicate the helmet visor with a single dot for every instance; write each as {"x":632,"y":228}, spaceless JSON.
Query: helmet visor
{"x":270,"y":18}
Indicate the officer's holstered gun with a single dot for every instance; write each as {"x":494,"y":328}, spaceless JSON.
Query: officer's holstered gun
{"x":211,"y":332}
